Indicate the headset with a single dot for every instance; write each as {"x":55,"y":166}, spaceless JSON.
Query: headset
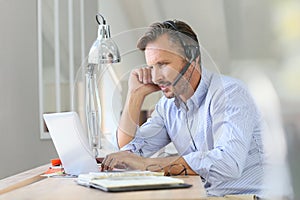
{"x":191,"y":51}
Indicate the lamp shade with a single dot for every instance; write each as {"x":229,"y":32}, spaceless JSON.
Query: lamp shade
{"x":104,"y":50}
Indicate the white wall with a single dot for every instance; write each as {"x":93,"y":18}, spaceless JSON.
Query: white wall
{"x":20,"y":145}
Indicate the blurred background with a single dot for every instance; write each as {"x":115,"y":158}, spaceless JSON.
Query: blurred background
{"x":46,"y":41}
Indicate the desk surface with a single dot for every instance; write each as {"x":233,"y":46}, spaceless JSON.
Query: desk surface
{"x":30,"y":185}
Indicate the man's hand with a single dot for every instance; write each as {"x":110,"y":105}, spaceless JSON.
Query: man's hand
{"x":130,"y":161}
{"x":139,"y":86}
{"x":140,"y":81}
{"x":124,"y":160}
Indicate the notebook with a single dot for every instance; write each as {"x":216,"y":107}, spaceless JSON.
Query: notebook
{"x":135,"y":183}
{"x":130,"y":181}
{"x":71,"y":143}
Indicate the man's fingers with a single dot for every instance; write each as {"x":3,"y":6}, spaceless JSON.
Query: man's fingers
{"x":107,"y":164}
{"x":140,"y":74}
{"x":119,"y":160}
{"x":144,"y":75}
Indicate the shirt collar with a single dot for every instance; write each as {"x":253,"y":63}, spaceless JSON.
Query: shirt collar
{"x":180,"y":104}
{"x":202,"y":88}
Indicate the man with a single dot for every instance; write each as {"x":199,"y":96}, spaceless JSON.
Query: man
{"x":210,"y":118}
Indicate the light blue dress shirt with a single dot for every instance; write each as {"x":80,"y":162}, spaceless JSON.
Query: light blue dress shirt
{"x":218,"y":133}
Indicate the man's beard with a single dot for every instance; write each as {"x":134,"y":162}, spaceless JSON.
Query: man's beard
{"x":181,"y":88}
{"x":173,"y":91}
{"x":184,"y":87}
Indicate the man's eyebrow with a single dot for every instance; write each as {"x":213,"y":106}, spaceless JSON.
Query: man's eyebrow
{"x":161,"y":62}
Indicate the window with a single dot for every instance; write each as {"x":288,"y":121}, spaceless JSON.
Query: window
{"x":62,"y":47}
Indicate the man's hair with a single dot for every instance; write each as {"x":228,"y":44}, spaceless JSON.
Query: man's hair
{"x":180,"y":34}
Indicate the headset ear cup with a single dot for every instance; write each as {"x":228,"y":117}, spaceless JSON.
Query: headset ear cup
{"x":187,"y":51}
{"x":191,"y":52}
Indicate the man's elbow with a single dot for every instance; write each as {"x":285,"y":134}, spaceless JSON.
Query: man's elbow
{"x":233,"y":171}
{"x":122,"y":139}
{"x":227,"y":170}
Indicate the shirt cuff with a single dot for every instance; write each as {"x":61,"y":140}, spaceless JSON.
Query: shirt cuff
{"x":199,"y":164}
{"x":135,"y":146}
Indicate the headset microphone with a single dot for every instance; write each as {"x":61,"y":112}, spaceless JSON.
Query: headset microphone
{"x":182,"y":72}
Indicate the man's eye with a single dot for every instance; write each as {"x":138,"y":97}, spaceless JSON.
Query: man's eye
{"x":160,"y":66}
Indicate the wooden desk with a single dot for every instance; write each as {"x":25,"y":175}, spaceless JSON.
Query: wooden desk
{"x":30,"y":185}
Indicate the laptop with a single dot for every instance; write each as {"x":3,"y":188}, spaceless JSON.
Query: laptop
{"x":71,"y":143}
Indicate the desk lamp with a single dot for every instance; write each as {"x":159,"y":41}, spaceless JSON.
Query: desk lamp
{"x":104,"y":51}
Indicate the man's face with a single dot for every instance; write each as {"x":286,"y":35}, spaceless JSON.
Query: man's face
{"x":166,"y":62}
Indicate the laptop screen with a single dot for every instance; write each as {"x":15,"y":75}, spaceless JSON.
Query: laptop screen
{"x":71,"y":143}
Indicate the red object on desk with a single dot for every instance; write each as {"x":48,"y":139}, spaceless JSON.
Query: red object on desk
{"x":56,"y":162}
{"x":56,"y":168}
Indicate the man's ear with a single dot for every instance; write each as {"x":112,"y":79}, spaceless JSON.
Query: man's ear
{"x":196,"y":61}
